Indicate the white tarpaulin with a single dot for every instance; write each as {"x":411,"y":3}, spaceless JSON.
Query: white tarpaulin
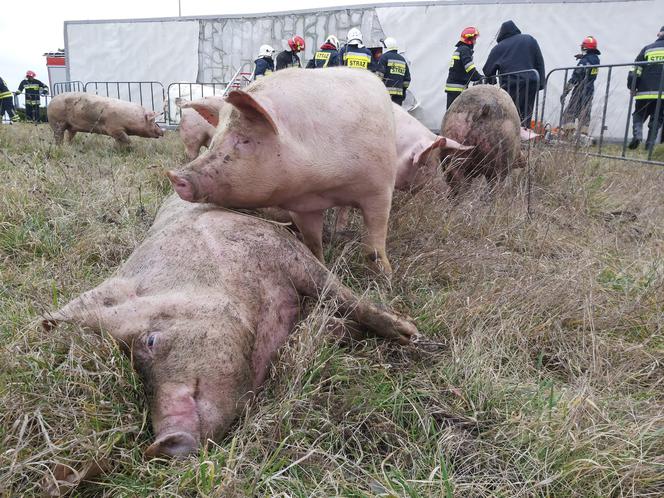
{"x":210,"y":49}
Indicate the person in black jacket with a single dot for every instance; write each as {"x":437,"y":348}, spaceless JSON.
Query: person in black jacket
{"x":289,"y":58}
{"x":33,"y":89}
{"x":354,"y":53}
{"x":517,"y":52}
{"x":393,"y":69}
{"x":462,"y":68}
{"x":7,"y":102}
{"x":327,"y":56}
{"x":582,"y":86}
{"x":644,"y":82}
{"x":264,"y":63}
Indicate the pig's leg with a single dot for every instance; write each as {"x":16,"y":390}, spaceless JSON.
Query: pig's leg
{"x":456,"y":180}
{"x":311,"y":227}
{"x":311,"y":279}
{"x":121,"y":137}
{"x":343,"y":217}
{"x":58,"y":132}
{"x":70,"y":135}
{"x":376,"y":214}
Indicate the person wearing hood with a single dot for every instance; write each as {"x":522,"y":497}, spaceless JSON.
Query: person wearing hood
{"x":644,"y":82}
{"x":516,"y":51}
{"x":354,"y":53}
{"x":462,"y":67}
{"x":582,"y":86}
{"x":327,"y":56}
{"x":393,"y":69}
{"x":289,"y":57}
{"x":264,"y":63}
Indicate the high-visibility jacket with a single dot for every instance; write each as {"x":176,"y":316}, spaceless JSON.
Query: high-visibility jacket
{"x":648,"y":77}
{"x":394,"y":71}
{"x":264,"y":66}
{"x":288,"y":59}
{"x":327,"y":56}
{"x":356,"y":56}
{"x":4,"y":90}
{"x":462,"y":69}
{"x":33,"y":87}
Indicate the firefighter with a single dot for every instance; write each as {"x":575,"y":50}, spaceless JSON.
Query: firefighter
{"x":264,"y":63}
{"x":7,"y":102}
{"x":393,"y":69}
{"x":354,"y":53}
{"x":644,"y":82}
{"x":582,"y":86}
{"x":515,"y":52}
{"x":289,"y":57}
{"x":33,"y":89}
{"x":462,"y":68}
{"x":327,"y":55}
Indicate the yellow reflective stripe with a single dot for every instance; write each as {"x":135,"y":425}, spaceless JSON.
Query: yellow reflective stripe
{"x":456,"y":58}
{"x":655,"y":54}
{"x":395,"y":91}
{"x":470,"y":67}
{"x":357,"y":60}
{"x":648,"y":95}
{"x":454,"y":88}
{"x":4,"y":95}
{"x":31,"y":87}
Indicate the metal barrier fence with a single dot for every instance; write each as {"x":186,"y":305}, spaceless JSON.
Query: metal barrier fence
{"x":67,"y":86}
{"x":149,"y":94}
{"x":189,"y":91}
{"x":523,"y":86}
{"x":655,"y":120}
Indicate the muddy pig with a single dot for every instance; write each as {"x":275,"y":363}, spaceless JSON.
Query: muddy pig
{"x":303,"y":141}
{"x":75,"y":111}
{"x":194,"y":130}
{"x":484,"y":116}
{"x":202,"y":305}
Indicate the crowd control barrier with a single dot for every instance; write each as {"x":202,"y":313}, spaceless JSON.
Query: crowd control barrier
{"x":149,"y":94}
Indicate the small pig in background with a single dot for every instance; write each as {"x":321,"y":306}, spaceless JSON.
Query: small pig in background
{"x":485,"y":117}
{"x":194,"y":130}
{"x":202,"y":305}
{"x":303,"y":141}
{"x":74,"y":112}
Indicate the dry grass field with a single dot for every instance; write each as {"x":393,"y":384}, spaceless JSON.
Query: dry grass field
{"x":544,"y":375}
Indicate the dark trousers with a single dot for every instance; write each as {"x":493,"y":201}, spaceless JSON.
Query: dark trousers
{"x":523,"y":93}
{"x":32,"y":109}
{"x":645,"y":109}
{"x":579,"y":107}
{"x":7,"y":106}
{"x":397,"y":99}
{"x":451,"y":97}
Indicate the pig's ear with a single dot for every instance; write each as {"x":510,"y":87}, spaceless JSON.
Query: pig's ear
{"x":150,"y":115}
{"x":251,"y":109}
{"x":209,"y":112}
{"x":441,"y":145}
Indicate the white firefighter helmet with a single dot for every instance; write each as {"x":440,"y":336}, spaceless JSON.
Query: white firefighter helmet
{"x":390,"y":43}
{"x":354,"y":37}
{"x":265,"y":51}
{"x":332,"y":40}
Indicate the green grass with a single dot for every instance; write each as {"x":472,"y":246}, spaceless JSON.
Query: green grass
{"x":543,"y":376}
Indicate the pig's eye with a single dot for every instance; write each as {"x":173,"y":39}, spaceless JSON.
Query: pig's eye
{"x":151,"y":340}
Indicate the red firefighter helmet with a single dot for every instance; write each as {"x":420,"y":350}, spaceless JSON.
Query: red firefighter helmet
{"x":588,"y":43}
{"x":30,"y":74}
{"x":296,"y":43}
{"x":469,"y":35}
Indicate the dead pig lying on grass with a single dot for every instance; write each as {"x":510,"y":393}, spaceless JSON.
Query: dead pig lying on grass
{"x":203,"y":304}
{"x":194,"y":129}
{"x":74,"y":112}
{"x":284,"y":142}
{"x":484,"y":116}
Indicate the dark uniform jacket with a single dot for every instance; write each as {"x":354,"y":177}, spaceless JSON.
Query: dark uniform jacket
{"x":462,"y":69}
{"x":288,"y":59}
{"x":356,"y":56}
{"x":648,"y":76}
{"x":264,"y":66}
{"x":582,"y":78}
{"x":327,"y":56}
{"x":394,"y":71}
{"x":5,"y":93}
{"x":515,"y":52}
{"x":32,"y":89}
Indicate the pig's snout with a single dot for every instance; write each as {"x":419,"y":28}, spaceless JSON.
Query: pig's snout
{"x":183,"y":186}
{"x":175,"y":445}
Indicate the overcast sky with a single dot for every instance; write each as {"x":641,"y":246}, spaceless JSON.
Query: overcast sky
{"x":27,"y":31}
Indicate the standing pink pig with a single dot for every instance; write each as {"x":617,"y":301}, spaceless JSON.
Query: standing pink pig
{"x":303,"y":141}
{"x":75,"y":111}
{"x":194,"y":130}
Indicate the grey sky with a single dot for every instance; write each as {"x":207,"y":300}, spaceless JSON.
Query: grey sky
{"x":24,"y":41}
